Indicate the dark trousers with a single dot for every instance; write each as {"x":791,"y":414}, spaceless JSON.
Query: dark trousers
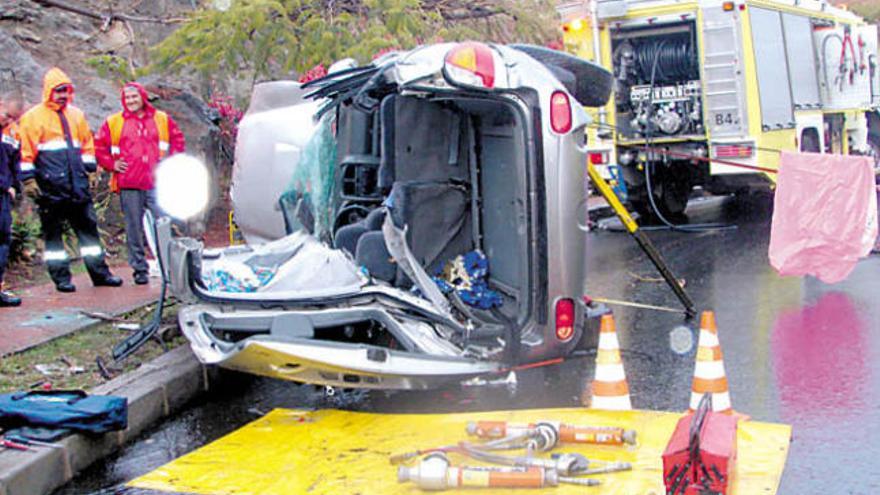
{"x":81,"y":217}
{"x":5,"y":230}
{"x":134,"y":203}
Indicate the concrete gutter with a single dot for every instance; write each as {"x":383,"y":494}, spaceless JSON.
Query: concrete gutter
{"x":154,"y":391}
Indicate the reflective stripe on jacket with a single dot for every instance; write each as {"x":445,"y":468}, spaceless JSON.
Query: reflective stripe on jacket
{"x":60,"y":163}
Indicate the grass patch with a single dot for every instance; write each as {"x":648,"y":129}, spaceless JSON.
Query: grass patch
{"x":79,"y":350}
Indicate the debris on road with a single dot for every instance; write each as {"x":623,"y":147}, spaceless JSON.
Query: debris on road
{"x":66,"y":368}
{"x":509,"y":381}
{"x":97,"y":315}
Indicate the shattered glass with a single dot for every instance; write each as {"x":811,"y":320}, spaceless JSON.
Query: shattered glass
{"x":313,"y":178}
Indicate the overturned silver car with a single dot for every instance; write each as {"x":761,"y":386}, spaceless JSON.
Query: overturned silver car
{"x":410,"y":223}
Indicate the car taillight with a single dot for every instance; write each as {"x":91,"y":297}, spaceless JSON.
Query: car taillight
{"x":471,"y":64}
{"x":564,"y":319}
{"x":560,"y":112}
{"x":733,"y":151}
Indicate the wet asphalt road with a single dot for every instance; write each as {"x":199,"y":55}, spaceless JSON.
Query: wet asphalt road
{"x":796,"y":351}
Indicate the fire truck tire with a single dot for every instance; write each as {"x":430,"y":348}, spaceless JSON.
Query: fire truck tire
{"x":671,"y":194}
{"x":874,"y":146}
{"x":810,"y":141}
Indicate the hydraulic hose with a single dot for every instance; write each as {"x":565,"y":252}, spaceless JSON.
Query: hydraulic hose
{"x":649,"y":163}
{"x":667,"y":60}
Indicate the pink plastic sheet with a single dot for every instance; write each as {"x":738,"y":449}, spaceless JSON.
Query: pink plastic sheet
{"x":825,"y":215}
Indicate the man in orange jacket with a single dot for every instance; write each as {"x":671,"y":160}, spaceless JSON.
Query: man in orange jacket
{"x":57,"y":156}
{"x":130,"y":144}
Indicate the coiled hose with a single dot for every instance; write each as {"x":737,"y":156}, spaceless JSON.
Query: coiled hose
{"x":666,"y":60}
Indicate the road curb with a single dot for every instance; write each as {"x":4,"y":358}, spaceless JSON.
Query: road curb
{"x":154,"y":391}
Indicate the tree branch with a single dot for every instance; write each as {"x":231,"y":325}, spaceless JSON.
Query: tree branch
{"x":449,"y":10}
{"x":106,"y":18}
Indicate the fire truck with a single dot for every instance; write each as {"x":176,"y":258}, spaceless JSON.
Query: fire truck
{"x":708,"y":93}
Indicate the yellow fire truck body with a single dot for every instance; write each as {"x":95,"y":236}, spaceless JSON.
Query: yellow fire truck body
{"x":702,"y":85}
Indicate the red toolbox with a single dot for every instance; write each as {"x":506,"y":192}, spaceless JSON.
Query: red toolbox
{"x":700,"y":458}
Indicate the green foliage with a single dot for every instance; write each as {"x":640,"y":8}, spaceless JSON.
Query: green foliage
{"x":25,"y":233}
{"x":869,"y":10}
{"x":113,"y":67}
{"x":266,"y":39}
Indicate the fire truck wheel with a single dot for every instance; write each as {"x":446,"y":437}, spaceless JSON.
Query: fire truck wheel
{"x":874,"y":145}
{"x":671,"y":193}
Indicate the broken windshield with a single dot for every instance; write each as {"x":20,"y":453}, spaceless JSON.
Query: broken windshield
{"x":308,"y":200}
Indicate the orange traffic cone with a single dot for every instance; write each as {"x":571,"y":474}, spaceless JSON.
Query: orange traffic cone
{"x":609,"y":389}
{"x":709,"y":376}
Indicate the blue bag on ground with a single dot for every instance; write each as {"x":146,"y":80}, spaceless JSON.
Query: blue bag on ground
{"x":73,"y":409}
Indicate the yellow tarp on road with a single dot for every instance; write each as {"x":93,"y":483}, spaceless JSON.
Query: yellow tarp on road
{"x":339,"y":452}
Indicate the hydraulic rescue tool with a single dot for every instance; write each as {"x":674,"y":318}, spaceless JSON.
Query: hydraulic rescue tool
{"x":435,"y":472}
{"x":643,"y":241}
{"x":567,"y":433}
{"x":566,"y":464}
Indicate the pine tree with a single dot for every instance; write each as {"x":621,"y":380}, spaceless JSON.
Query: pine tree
{"x":269,"y":39}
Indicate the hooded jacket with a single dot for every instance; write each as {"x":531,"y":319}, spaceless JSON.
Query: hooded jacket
{"x":59,"y":161}
{"x":10,"y":154}
{"x":139,"y":144}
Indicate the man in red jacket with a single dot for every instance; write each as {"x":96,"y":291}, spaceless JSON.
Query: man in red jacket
{"x":130,"y":144}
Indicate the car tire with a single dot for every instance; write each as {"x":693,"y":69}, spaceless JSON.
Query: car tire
{"x":589,"y":83}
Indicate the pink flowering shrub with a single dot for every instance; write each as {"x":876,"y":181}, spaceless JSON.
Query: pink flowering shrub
{"x":315,"y":72}
{"x":230,"y":116}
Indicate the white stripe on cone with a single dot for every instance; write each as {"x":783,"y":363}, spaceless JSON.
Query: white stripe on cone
{"x":720,"y":401}
{"x":610,"y":373}
{"x":619,"y":403}
{"x":710,"y":370}
{"x":708,"y":339}
{"x":608,"y":342}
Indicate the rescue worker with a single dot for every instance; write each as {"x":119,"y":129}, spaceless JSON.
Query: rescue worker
{"x":130,"y":144}
{"x":57,"y":156}
{"x":10,"y":110}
